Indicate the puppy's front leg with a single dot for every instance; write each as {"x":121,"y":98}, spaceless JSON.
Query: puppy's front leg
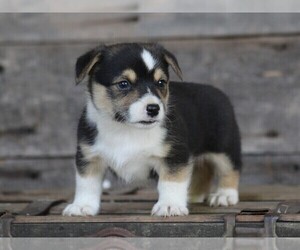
{"x":173,"y":187}
{"x":89,"y":176}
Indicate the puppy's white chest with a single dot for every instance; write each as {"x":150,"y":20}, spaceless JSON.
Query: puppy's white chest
{"x":130,"y":152}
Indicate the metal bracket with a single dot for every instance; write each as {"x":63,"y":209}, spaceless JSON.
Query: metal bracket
{"x":237,"y":229}
{"x":5,"y":224}
{"x":288,"y":207}
{"x":247,"y":228}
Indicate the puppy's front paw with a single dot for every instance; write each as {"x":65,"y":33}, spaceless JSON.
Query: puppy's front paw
{"x":80,"y":210}
{"x":223,"y":197}
{"x":168,"y":209}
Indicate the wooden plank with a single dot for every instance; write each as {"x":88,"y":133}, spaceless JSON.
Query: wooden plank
{"x":228,"y":6}
{"x":217,"y":229}
{"x":93,"y":6}
{"x":118,"y":218}
{"x":31,"y":174}
{"x":289,"y":217}
{"x":260,"y":76}
{"x":283,"y":229}
{"x":12,"y":207}
{"x":126,"y":208}
{"x":248,"y":193}
{"x":62,"y":27}
{"x":271,"y":170}
{"x":134,"y":217}
{"x":38,"y":74}
{"x":166,"y":25}
{"x":59,"y":27}
{"x":269,"y":192}
{"x":66,"y":6}
{"x":29,"y":196}
{"x":71,"y":229}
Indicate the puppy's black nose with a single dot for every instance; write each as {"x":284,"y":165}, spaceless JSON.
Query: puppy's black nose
{"x":152,"y":109}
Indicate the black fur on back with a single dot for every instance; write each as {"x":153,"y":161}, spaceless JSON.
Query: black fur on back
{"x":201,"y":120}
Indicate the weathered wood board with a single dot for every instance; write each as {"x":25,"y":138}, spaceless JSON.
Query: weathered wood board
{"x":53,"y":173}
{"x":275,"y":192}
{"x":79,"y":27}
{"x":194,"y":6}
{"x":129,"y":215}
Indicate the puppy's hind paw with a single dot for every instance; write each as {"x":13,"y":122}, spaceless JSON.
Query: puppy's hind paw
{"x":223,"y":197}
{"x":80,"y":210}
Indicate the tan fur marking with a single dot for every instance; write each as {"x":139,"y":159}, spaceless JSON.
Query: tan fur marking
{"x":230,"y":180}
{"x":95,"y":164}
{"x":180,"y":175}
{"x":166,"y":150}
{"x":159,"y":74}
{"x":127,"y":100}
{"x":163,"y":93}
{"x":101,"y":99}
{"x":127,"y":74}
{"x":203,"y":173}
{"x":86,"y":151}
{"x":228,"y":177}
{"x":221,"y":162}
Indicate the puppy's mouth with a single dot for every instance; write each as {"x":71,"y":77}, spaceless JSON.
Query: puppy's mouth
{"x":147,"y":122}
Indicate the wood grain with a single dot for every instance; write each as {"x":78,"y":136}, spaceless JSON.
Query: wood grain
{"x":44,"y":28}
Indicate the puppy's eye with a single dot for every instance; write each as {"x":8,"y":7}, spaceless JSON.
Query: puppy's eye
{"x":124,"y":85}
{"x":161,"y":83}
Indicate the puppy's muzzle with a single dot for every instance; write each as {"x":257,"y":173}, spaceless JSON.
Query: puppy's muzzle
{"x":152,"y":110}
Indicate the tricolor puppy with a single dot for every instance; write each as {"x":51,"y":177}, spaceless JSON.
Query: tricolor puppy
{"x":136,"y":121}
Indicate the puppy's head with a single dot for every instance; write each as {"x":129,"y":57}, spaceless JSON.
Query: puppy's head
{"x":130,"y":82}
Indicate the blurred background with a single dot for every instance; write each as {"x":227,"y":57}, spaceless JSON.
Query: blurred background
{"x":254,"y":58}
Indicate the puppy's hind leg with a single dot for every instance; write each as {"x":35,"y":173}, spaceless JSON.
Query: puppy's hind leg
{"x":202,"y":177}
{"x":89,"y":176}
{"x":228,"y":180}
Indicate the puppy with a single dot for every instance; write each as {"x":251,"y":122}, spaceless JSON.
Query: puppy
{"x":136,"y":121}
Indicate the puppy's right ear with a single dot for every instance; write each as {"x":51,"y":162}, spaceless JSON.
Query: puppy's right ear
{"x":86,"y":62}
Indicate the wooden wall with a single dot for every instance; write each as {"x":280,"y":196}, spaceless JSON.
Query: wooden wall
{"x":254,"y":58}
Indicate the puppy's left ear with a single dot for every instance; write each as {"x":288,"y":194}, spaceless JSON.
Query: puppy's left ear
{"x":172,"y":61}
{"x":86,"y":62}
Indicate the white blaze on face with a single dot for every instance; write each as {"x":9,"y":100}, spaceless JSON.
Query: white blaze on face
{"x":148,"y":59}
